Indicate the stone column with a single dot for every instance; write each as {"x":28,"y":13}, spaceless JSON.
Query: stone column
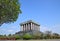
{"x":35,"y":27}
{"x":31,"y":26}
{"x":21,"y":28}
{"x":38,"y":28}
{"x":26,"y":27}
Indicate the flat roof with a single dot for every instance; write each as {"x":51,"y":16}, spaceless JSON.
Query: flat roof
{"x":29,"y":21}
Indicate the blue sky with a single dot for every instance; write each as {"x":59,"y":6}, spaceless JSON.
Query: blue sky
{"x":45,"y":12}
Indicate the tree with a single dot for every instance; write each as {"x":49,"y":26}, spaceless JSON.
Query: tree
{"x":3,"y":36}
{"x":38,"y":35}
{"x":47,"y":35}
{"x":9,"y":10}
{"x":17,"y":37}
{"x":56,"y":35}
{"x":9,"y":35}
{"x":27,"y":36}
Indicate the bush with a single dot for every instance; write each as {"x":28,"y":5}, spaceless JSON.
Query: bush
{"x":27,"y":36}
{"x":17,"y":37}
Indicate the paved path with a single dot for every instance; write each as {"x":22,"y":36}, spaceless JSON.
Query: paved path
{"x":33,"y":40}
{"x":40,"y":40}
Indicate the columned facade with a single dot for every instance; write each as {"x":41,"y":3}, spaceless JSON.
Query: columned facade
{"x":29,"y":25}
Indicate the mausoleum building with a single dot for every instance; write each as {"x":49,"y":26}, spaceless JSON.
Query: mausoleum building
{"x":29,"y":27}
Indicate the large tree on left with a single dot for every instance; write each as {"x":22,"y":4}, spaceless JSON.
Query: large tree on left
{"x":9,"y":11}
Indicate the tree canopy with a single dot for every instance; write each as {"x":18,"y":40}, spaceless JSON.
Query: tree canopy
{"x":9,"y":11}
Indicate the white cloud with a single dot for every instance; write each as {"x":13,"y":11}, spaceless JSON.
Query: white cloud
{"x":44,"y":28}
{"x":55,"y":28}
{"x":13,"y":27}
{"x":10,"y":30}
{"x":57,"y":25}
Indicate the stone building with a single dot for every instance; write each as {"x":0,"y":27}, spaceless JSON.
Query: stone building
{"x":29,"y":27}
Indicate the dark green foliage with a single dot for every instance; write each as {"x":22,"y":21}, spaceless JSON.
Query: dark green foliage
{"x":9,"y":10}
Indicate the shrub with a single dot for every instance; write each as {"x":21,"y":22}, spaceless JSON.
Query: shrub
{"x":17,"y":37}
{"x":27,"y":36}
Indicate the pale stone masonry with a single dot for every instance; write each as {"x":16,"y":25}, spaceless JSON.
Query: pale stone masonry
{"x":29,"y":25}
